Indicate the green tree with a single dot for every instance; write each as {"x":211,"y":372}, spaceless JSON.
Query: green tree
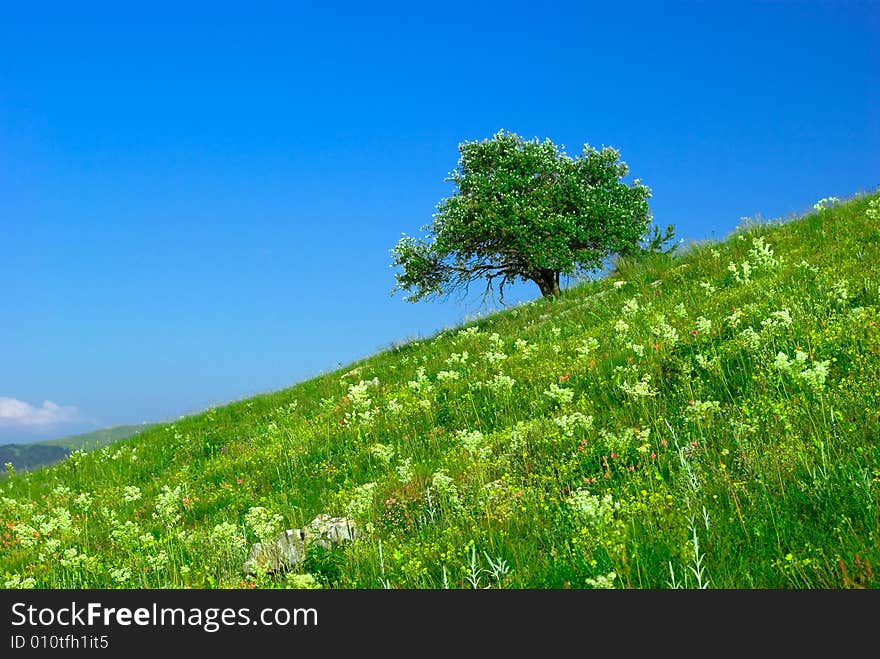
{"x":525,"y":210}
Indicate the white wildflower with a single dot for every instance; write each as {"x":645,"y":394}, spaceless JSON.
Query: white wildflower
{"x":83,"y":500}
{"x":404,"y":470}
{"x":839,"y":294}
{"x":569,"y":423}
{"x":457,"y":358}
{"x":779,"y":318}
{"x":588,"y":346}
{"x":597,"y":512}
{"x":743,"y":273}
{"x":705,"y":363}
{"x":699,"y":409}
{"x":445,"y":488}
{"x":120,"y":575}
{"x":16,"y":581}
{"x":228,"y":538}
{"x":264,"y":524}
{"x":359,"y":396}
{"x":500,"y":382}
{"x":825,"y":202}
{"x":664,"y":330}
{"x":559,"y":395}
{"x":361,"y":503}
{"x":473,"y":441}
{"x":815,"y":377}
{"x":761,"y":254}
{"x":630,"y":307}
{"x":806,"y":267}
{"x":496,"y":341}
{"x":734,"y":319}
{"x":168,"y":505}
{"x":602,"y":581}
{"x":383,"y":452}
{"x":781,"y":362}
{"x":468,"y":333}
{"x":704,"y":325}
{"x":26,"y":535}
{"x":494,"y":357}
{"x":421,"y":384}
{"x":639,"y":389}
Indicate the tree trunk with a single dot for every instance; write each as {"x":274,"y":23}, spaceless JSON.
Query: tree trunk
{"x":548,"y":282}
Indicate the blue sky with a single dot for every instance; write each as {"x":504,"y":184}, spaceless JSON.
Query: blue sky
{"x":197,"y":202}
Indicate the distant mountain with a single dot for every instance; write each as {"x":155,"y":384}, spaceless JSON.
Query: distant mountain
{"x":40,"y":454}
{"x":96,"y":438}
{"x":29,"y":456}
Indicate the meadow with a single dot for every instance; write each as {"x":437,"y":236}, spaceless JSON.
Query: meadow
{"x":703,"y":419}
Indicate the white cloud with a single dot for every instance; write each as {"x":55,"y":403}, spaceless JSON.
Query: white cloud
{"x":14,"y":412}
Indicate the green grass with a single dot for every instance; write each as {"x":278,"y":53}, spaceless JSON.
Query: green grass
{"x":671,"y":425}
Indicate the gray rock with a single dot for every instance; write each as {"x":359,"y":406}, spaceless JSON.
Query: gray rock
{"x":288,"y":550}
{"x":329,"y":532}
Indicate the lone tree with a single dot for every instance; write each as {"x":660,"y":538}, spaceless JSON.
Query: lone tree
{"x":525,"y":210}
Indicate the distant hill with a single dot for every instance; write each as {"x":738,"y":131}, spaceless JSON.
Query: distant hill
{"x":40,"y":454}
{"x":96,"y":438}
{"x":29,"y":456}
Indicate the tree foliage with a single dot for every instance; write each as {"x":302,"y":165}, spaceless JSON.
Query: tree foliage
{"x":525,"y":210}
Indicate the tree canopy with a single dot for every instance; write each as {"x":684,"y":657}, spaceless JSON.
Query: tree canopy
{"x":525,"y":210}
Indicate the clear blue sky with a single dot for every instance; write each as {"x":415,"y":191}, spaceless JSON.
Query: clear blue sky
{"x":197,"y":201}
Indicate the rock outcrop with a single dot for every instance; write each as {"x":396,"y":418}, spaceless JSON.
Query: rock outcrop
{"x":288,"y":550}
{"x":329,"y":532}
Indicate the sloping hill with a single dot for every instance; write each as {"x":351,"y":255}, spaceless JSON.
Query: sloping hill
{"x":705,"y":419}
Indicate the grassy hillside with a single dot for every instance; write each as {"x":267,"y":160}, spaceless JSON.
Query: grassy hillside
{"x":708,"y":419}
{"x":37,"y":454}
